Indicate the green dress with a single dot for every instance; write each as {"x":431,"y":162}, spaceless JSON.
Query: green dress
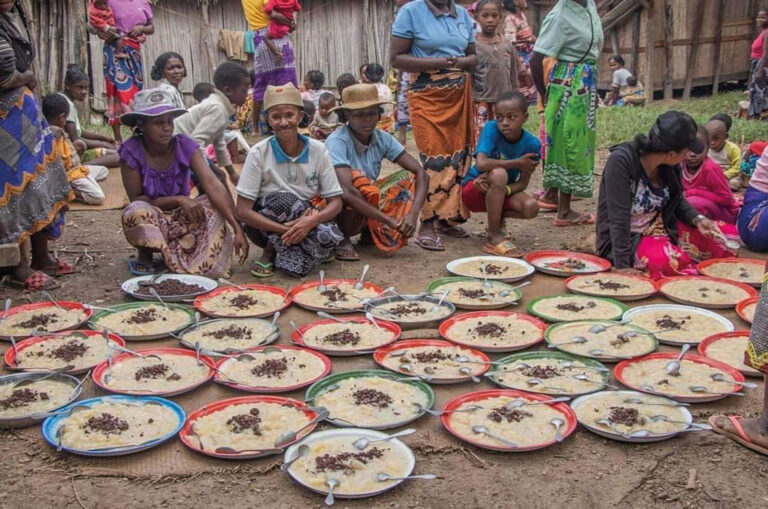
{"x":573,"y":36}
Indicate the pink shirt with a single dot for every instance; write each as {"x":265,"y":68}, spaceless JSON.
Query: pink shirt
{"x":710,"y":183}
{"x":757,"y":46}
{"x":129,"y":13}
{"x":759,"y":178}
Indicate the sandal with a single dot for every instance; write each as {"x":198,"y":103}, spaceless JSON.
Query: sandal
{"x":587,"y":218}
{"x":741,"y":437}
{"x":331,"y":258}
{"x":546,"y":206}
{"x":138,"y":268}
{"x":36,"y":281}
{"x":62,"y":269}
{"x":262,"y":270}
{"x":346,"y":252}
{"x":454,"y":231}
{"x":504,"y":248}
{"x":429,"y":243}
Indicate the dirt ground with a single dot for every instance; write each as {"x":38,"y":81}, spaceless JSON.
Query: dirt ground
{"x":584,"y":471}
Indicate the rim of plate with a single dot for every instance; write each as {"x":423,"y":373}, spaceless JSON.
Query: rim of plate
{"x":131,"y":286}
{"x":433,"y":285}
{"x":451,"y":266}
{"x":743,"y":305}
{"x":714,"y":338}
{"x":66,"y":304}
{"x":453,"y":320}
{"x":673,"y":279}
{"x":636,"y":296}
{"x":296,"y":290}
{"x":533,"y":257}
{"x":701,"y":266}
{"x":297,"y":338}
{"x":10,"y":354}
{"x":93,"y":322}
{"x":607,"y":358}
{"x":381,"y":353}
{"x":730,"y":327}
{"x":200,"y":300}
{"x":532,"y":303}
{"x":269,"y":339}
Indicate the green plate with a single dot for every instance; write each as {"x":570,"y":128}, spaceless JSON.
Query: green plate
{"x":622,"y":307}
{"x":558,"y":356}
{"x":94,"y":322}
{"x":604,"y":358}
{"x":321,"y":386}
{"x":434,"y":285}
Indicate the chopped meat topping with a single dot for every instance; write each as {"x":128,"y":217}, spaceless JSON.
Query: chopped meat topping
{"x":244,"y":422}
{"x":155,"y":371}
{"x":541,"y":372}
{"x":471,"y":294}
{"x":22,"y":397}
{"x":491,"y":329}
{"x":343,"y":461}
{"x":144,"y":316}
{"x":69,"y":351}
{"x":610,"y":285}
{"x":625,"y":416}
{"x":571,"y":264}
{"x":106,"y":423}
{"x":40,"y":321}
{"x":170,"y":287}
{"x":334,"y":294}
{"x":371,"y":397}
{"x":667,"y":322}
{"x":494,"y":270}
{"x":427,"y":357}
{"x":233,"y":331}
{"x":572,"y":306}
{"x":242,"y":301}
{"x":412,"y":308}
{"x":343,"y":337}
{"x":620,"y":340}
{"x":271,"y":368}
{"x":511,"y":415}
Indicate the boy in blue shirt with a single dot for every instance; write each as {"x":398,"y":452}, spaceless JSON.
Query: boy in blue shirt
{"x":506,"y":157}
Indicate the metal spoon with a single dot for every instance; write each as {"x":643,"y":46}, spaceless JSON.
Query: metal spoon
{"x":321,"y":287}
{"x":599,"y":327}
{"x":274,"y":319}
{"x":359,"y":285}
{"x":641,"y":433}
{"x":230,"y":283}
{"x":703,"y":390}
{"x":53,"y":301}
{"x":119,"y":348}
{"x":719,"y":377}
{"x":332,"y":483}
{"x":664,"y":418}
{"x":296,"y":328}
{"x":438,"y":413}
{"x":483,"y":430}
{"x":29,"y":381}
{"x":571,"y":365}
{"x":382,"y":477}
{"x":557,"y":422}
{"x":637,"y":401}
{"x":486,"y":283}
{"x":673,"y":367}
{"x":370,"y":318}
{"x":466,"y":370}
{"x":466,"y":360}
{"x":633,"y":333}
{"x":585,"y":378}
{"x":361,"y":443}
{"x":151,"y":281}
{"x":287,"y":437}
{"x":517,"y":403}
{"x":229,"y":450}
{"x":439,"y":304}
{"x":302,"y":451}
{"x":323,"y":314}
{"x":157,"y":296}
{"x":536,"y":381}
{"x":578,"y":340}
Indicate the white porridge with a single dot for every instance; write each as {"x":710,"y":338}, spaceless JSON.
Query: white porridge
{"x":628,"y":417}
{"x":145,"y":320}
{"x":749,"y":312}
{"x":680,"y":326}
{"x":336,"y":296}
{"x":549,"y":376}
{"x":616,"y":341}
{"x":273,"y":369}
{"x":34,"y":321}
{"x":436,"y":361}
{"x":731,"y":350}
{"x":410,"y":311}
{"x":230,"y":334}
{"x":346,"y":336}
{"x":704,"y":293}
{"x":473,"y":293}
{"x":41,"y":396}
{"x":611,"y":284}
{"x":743,"y":272}
{"x":242,"y":303}
{"x":56,"y":352}
{"x":148,"y":374}
{"x":653,"y":373}
{"x":494,"y":269}
{"x":567,"y":308}
{"x":496,"y":331}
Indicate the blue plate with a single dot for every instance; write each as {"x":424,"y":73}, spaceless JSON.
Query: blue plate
{"x":52,"y":424}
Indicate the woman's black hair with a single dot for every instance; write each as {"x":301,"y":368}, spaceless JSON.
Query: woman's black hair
{"x":55,"y":104}
{"x":75,"y":74}
{"x":618,"y":59}
{"x":724,"y":118}
{"x":316,"y":79}
{"x":508,"y":5}
{"x":483,"y":3}
{"x":230,"y":74}
{"x":157,"y":69}
{"x":374,"y":72}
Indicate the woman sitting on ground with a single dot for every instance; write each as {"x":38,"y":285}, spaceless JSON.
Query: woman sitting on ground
{"x":191,"y":234}
{"x":643,"y":220}
{"x":288,"y":193}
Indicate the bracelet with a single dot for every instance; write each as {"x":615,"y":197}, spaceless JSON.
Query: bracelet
{"x":698,"y":219}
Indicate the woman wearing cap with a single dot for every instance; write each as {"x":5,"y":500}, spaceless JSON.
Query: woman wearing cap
{"x":157,"y":167}
{"x":434,"y":41}
{"x":390,"y":206}
{"x":374,"y":74}
{"x":288,"y":193}
{"x":644,"y":221}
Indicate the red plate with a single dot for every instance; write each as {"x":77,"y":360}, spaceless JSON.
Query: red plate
{"x":99,"y":371}
{"x":571,"y":280}
{"x":200,"y":301}
{"x":296,"y":335}
{"x":569,"y":416}
{"x":743,"y":305}
{"x":706,"y":342}
{"x":267,"y":390}
{"x":478,"y":369}
{"x":189,"y":438}
{"x":735,"y":374}
{"x":47,"y":304}
{"x":536,"y":259}
{"x":10,"y":354}
{"x":329,"y":282}
{"x":747,"y":288}
{"x":702,"y":266}
{"x":447,"y":324}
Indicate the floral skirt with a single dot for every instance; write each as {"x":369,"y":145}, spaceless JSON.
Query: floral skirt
{"x":124,"y":79}
{"x":268,"y":71}
{"x":753,"y":220}
{"x":482,"y":113}
{"x":187,"y":247}
{"x":757,"y":348}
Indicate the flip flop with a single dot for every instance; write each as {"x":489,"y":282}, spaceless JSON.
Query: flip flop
{"x":62,"y":269}
{"x":452,"y":231}
{"x":429,"y":243}
{"x":138,"y":268}
{"x":588,"y":218}
{"x":741,"y":437}
{"x":545,"y":206}
{"x":262,"y":270}
{"x":347,"y":253}
{"x":503,"y":248}
{"x":36,"y":281}
{"x":331,"y":258}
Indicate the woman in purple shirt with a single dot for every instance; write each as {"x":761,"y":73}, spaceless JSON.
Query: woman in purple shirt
{"x":191,"y":234}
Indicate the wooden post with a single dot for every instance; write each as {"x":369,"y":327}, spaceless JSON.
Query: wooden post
{"x":697,"y":24}
{"x":366,"y":8}
{"x":536,"y":17}
{"x":650,"y":47}
{"x":206,"y":28}
{"x":635,"y":66}
{"x":615,"y":42}
{"x":720,"y":7}
{"x":669,"y":36}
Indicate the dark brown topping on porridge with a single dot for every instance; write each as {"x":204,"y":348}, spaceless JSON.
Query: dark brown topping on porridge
{"x":511,"y":415}
{"x":427,"y":357}
{"x":342,"y":461}
{"x":22,"y":397}
{"x":170,"y":287}
{"x":233,"y":331}
{"x":611,"y":285}
{"x":155,"y":371}
{"x":412,"y":308}
{"x":663,"y":382}
{"x":743,"y":273}
{"x":144,"y":316}
{"x":371,"y":397}
{"x":625,"y":416}
{"x":491,"y":329}
{"x":39,"y":321}
{"x":342,"y":338}
{"x":68,"y":351}
{"x":541,"y":372}
{"x":667,"y":322}
{"x":244,"y":422}
{"x":242,"y":301}
{"x":106,"y":423}
{"x":271,"y":368}
{"x":472,"y":294}
{"x":572,"y":306}
{"x":494,"y":270}
{"x":571,"y":264}
{"x":174,"y":377}
{"x":334,"y":294}
{"x":620,"y":340}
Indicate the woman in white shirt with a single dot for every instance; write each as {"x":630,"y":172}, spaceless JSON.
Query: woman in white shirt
{"x":170,"y":70}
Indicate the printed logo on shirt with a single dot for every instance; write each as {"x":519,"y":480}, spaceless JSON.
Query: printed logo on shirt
{"x":312,"y":180}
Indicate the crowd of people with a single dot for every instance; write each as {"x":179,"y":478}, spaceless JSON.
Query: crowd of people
{"x":465,"y":82}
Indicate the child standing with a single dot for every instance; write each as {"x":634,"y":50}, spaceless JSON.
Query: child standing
{"x":277,"y":29}
{"x":705,"y":185}
{"x":496,"y":69}
{"x":102,"y":18}
{"x":506,"y":156}
{"x":170,"y":70}
{"x":313,"y":86}
{"x":724,"y":152}
{"x":373,"y":73}
{"x":325,"y":120}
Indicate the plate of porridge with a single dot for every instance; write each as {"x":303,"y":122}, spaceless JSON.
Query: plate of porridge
{"x":623,"y":287}
{"x":433,"y":360}
{"x":729,"y":348}
{"x":495,"y":268}
{"x":82,"y":349}
{"x":113,"y":425}
{"x":270,"y":369}
{"x":746,"y":309}
{"x":567,"y":263}
{"x":411,"y":311}
{"x":550,"y":373}
{"x":251,"y":424}
{"x":171,"y":287}
{"x":339,"y":295}
{"x":23,"y":396}
{"x":568,"y":307}
{"x":514,"y":421}
{"x":681,"y":324}
{"x":742,"y":270}
{"x":245,"y":301}
{"x":139,"y":321}
{"x":493,"y":331}
{"x":331,"y":455}
{"x":355,"y":336}
{"x":649,"y":374}
{"x":604,"y":340}
{"x":371,"y":399}
{"x":155,"y":372}
{"x":470,"y":293}
{"x":630,"y":416}
{"x":41,"y":318}
{"x":225,"y":336}
{"x":705,"y":291}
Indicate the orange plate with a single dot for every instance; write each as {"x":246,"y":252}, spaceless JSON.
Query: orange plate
{"x":329,"y":282}
{"x":200,"y":301}
{"x":296,"y":335}
{"x":535,"y":258}
{"x":68,"y":305}
{"x":743,"y":305}
{"x":724,"y":336}
{"x":569,"y":282}
{"x":450,"y":322}
{"x":702,"y":266}
{"x":747,"y":288}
